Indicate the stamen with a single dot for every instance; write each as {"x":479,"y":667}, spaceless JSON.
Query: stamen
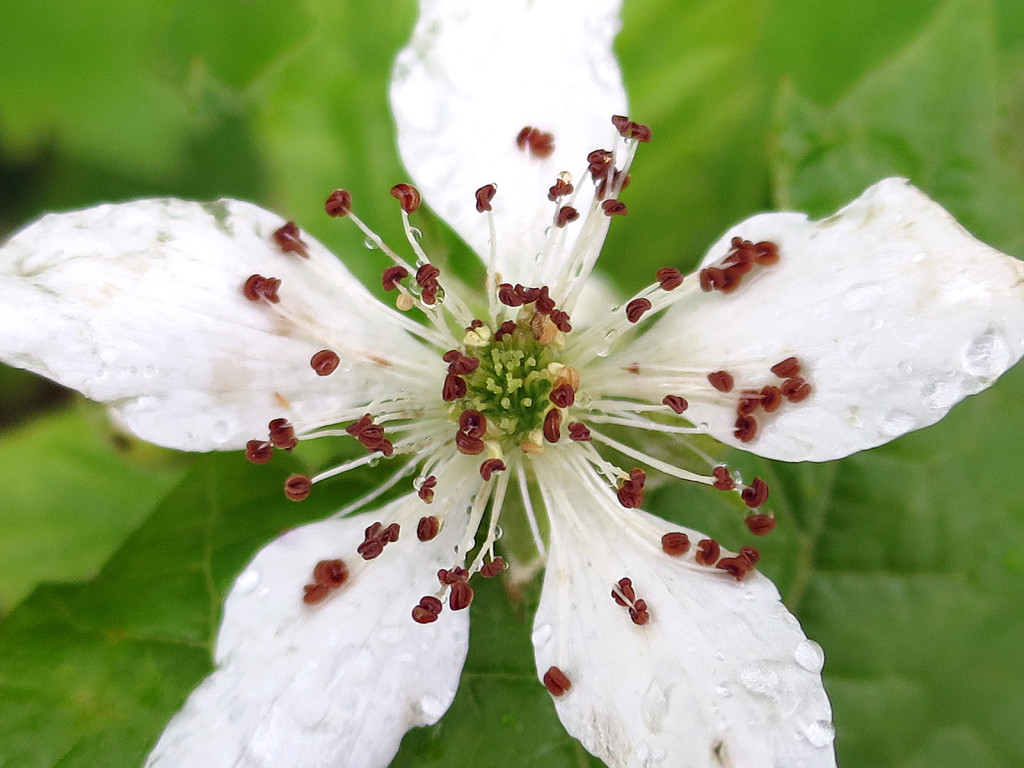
{"x":470,"y":446}
{"x":427,"y":528}
{"x":676,"y":543}
{"x":426,"y":278}
{"x":427,"y":611}
{"x":314,"y":593}
{"x":746,"y":429}
{"x":755,"y":494}
{"x":473,"y":423}
{"x":708,"y":551}
{"x":330,"y":573}
{"x":282,"y":434}
{"x":325,"y":362}
{"x":760,"y":524}
{"x":614,"y":208}
{"x":259,"y":288}
{"x":508,"y":327}
{"x":566,"y":215}
{"x":493,"y":568}
{"x":676,"y":403}
{"x":723,"y":480}
{"x":561,"y":320}
{"x":787,"y":369}
{"x":460,"y":596}
{"x":460,"y":364}
{"x":721,"y":380}
{"x":259,"y":451}
{"x":490,"y":466}
{"x":288,"y":240}
{"x":392,"y":275}
{"x":454,"y":388}
{"x":751,"y":555}
{"x":771,"y":399}
{"x":408,"y":196}
{"x":796,"y":389}
{"x":484,"y":196}
{"x":538,"y":143}
{"x":339,"y":203}
{"x":631,"y":491}
{"x":426,"y":490}
{"x":561,"y":188}
{"x":556,"y":682}
{"x":737,"y":567}
{"x":563,"y":395}
{"x":376,"y":538}
{"x":553,"y":426}
{"x":600,"y":162}
{"x":297,"y":487}
{"x":636,"y":308}
{"x":630,"y":130}
{"x":578,"y":431}
{"x":669,"y":278}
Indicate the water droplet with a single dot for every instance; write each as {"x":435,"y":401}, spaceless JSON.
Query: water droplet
{"x":941,"y":395}
{"x":654,"y":706}
{"x":418,"y":482}
{"x":987,"y":356}
{"x":820,"y":733}
{"x":808,"y":654}
{"x":861,"y":298}
{"x":150,"y":371}
{"x":415,"y":232}
{"x":542,"y":634}
{"x":369,"y":244}
{"x":761,"y":677}
{"x":498,"y":532}
{"x":724,"y":689}
{"x":247,"y":581}
{"x":877,"y":324}
{"x":432,"y":708}
{"x":221,"y":431}
{"x":897,"y":422}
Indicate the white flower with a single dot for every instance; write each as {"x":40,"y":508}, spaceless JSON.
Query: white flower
{"x":796,"y":340}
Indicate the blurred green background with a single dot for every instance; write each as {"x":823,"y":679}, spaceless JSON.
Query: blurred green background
{"x":906,"y":563}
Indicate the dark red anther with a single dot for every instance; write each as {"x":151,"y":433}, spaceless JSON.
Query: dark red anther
{"x":314,"y":593}
{"x":427,"y":611}
{"x":490,"y":466}
{"x":456,"y":574}
{"x":259,"y":288}
{"x":636,"y":308}
{"x":392,"y":276}
{"x":325,"y":362}
{"x":737,"y":567}
{"x":561,"y":320}
{"x":721,"y":380}
{"x":506,"y":328}
{"x":760,"y":524}
{"x":484,"y":196}
{"x":751,"y":555}
{"x":331,"y":573}
{"x":493,"y":568}
{"x":556,"y":682}
{"x":787,"y":369}
{"x":356,"y":427}
{"x":766,"y":253}
{"x":796,"y":389}
{"x":545,"y":304}
{"x":745,"y":429}
{"x":509,"y":296}
{"x":712,"y":279}
{"x":553,"y":426}
{"x":528,"y":295}
{"x":282,"y":434}
{"x":631,"y":492}
{"x":472,"y":423}
{"x":470,"y":446}
{"x":566,"y":215}
{"x":460,"y":596}
{"x":578,"y":431}
{"x":708,"y":551}
{"x":390,"y":533}
{"x":624,"y":592}
{"x":638,"y":613}
{"x":723,"y":480}
{"x":675,"y":543}
{"x":454,"y":388}
{"x":288,"y":239}
{"x":669,"y":278}
{"x":537,"y":142}
{"x":460,"y":364}
{"x":755,"y":494}
{"x":630,"y":130}
{"x":432,"y":604}
{"x":561,"y":188}
{"x":428,"y":526}
{"x":771,"y":398}
{"x":426,"y":491}
{"x":297,"y":487}
{"x":339,"y":203}
{"x":370,"y":549}
{"x":675,"y":402}
{"x":426,"y":275}
{"x":563,"y":395}
{"x":614,"y":208}
{"x":258,"y":451}
{"x":750,"y":401}
{"x":386,"y":448}
{"x":408,"y":196}
{"x":600,"y":161}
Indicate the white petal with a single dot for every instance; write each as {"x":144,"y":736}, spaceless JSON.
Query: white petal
{"x":338,"y":683}
{"x":140,"y":305}
{"x":720,"y":677}
{"x":894,"y":310}
{"x":473,"y":75}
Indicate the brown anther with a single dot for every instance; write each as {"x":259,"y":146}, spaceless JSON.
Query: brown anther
{"x":638,"y":613}
{"x":408,"y":196}
{"x":509,"y":296}
{"x":578,"y":431}
{"x":493,"y":568}
{"x":675,"y":543}
{"x":314,"y":593}
{"x":561,"y":320}
{"x":259,"y":451}
{"x":631,"y":492}
{"x":561,"y":188}
{"x":760,"y":524}
{"x":566,"y":215}
{"x":745,"y":429}
{"x":787,"y":369}
{"x":339,"y":203}
{"x":432,"y":604}
{"x":721,"y":380}
{"x":461,"y":364}
{"x":796,"y":389}
{"x":426,"y":275}
{"x":563,"y":395}
{"x":392,"y":276}
{"x":771,"y":398}
{"x":288,"y":240}
{"x":427,"y":611}
{"x":755,"y":494}
{"x":669,"y":278}
{"x":766,"y":253}
{"x":454,"y":388}
{"x":390,"y":533}
{"x":429,"y":294}
{"x":751,"y":555}
{"x":537,"y":142}
{"x":427,"y":528}
{"x":506,"y":328}
{"x":472,"y":423}
{"x":470,"y":446}
{"x":556,"y":682}
{"x":282,"y":434}
{"x":386,"y":447}
{"x":331,"y":573}
{"x":553,"y":426}
{"x":297,"y":487}
{"x":723,"y":480}
{"x":460,"y":596}
{"x":737,"y":567}
{"x":708,"y":551}
{"x":484,"y":196}
{"x":259,"y":288}
{"x":614,"y":208}
{"x":600,"y":161}
{"x":545,"y":304}
{"x":426,"y":491}
{"x":456,"y":574}
{"x":675,"y":402}
{"x":325,"y":362}
{"x":630,"y":130}
{"x":357,"y":427}
{"x":623,"y":594}
{"x":750,"y":401}
{"x":712,"y":279}
{"x":490,"y":466}
{"x":636,"y":308}
{"x":370,"y":549}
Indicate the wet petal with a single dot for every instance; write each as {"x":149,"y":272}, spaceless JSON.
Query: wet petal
{"x":720,"y":675}
{"x":893,"y":310}
{"x":140,"y":305}
{"x":335,"y":683}
{"x":473,"y":76}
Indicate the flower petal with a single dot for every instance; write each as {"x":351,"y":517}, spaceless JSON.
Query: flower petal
{"x":894,"y":311}
{"x":721,"y":675}
{"x":336,"y":683}
{"x":140,"y":305}
{"x":473,"y":76}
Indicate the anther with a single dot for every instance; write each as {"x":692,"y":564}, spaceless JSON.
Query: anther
{"x":460,"y":596}
{"x":460,"y":364}
{"x":490,"y":466}
{"x":760,"y":524}
{"x":675,"y":402}
{"x":506,"y":328}
{"x":297,"y":487}
{"x":472,"y":423}
{"x":545,"y":304}
{"x":624,"y":594}
{"x":750,"y":401}
{"x":614,"y":208}
{"x":484,"y":196}
{"x":708,"y":551}
{"x":370,"y":549}
{"x":561,"y":188}
{"x":675,"y":543}
{"x":561,"y":320}
{"x":509,"y":296}
{"x":392,"y":275}
{"x":638,"y":613}
{"x":258,"y":288}
{"x":566,"y":215}
{"x":428,"y":526}
{"x":723,"y":480}
{"x":331,"y":573}
{"x":493,"y":568}
{"x":771,"y":398}
{"x":427,"y":611}
{"x":282,"y":434}
{"x":795,"y":389}
{"x":578,"y":431}
{"x":751,"y":555}
{"x":325,"y":362}
{"x":258,"y":451}
{"x":408,"y":196}
{"x":745,"y":429}
{"x":339,"y":203}
{"x":600,"y":161}
{"x":563,"y":395}
{"x":537,"y":142}
{"x":314,"y":593}
{"x":669,"y":278}
{"x":288,"y":239}
{"x":390,"y":533}
{"x":454,"y":388}
{"x":556,"y":682}
{"x":787,"y":369}
{"x":755,"y":494}
{"x":470,"y":446}
{"x":630,"y":130}
{"x":448,"y":577}
{"x":553,"y":426}
{"x":631,"y":492}
{"x":721,"y":380}
{"x":636,"y":309}
{"x":426,"y":491}
{"x":737,"y":567}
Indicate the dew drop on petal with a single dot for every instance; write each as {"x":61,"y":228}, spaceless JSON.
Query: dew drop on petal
{"x":861,"y":298}
{"x":221,"y":431}
{"x":820,"y":733}
{"x":760,"y":677}
{"x":897,"y":422}
{"x":987,"y":356}
{"x":941,"y":395}
{"x":809,"y":655}
{"x":247,"y":581}
{"x":150,"y":371}
{"x":654,"y":706}
{"x":905,"y":367}
{"x":542,"y":635}
{"x":369,"y":244}
{"x":432,"y":707}
{"x":724,"y":689}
